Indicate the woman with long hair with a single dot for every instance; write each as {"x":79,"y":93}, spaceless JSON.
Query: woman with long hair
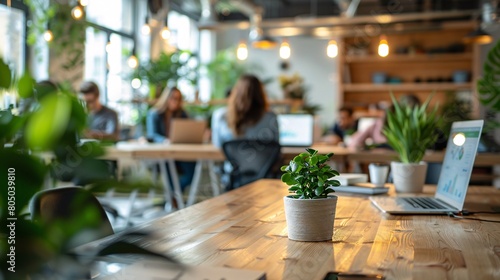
{"x":247,"y":114}
{"x":159,"y":118}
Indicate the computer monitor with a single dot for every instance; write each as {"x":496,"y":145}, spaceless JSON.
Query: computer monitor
{"x":296,"y":130}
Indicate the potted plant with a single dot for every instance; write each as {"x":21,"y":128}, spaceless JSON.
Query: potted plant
{"x":309,"y":211}
{"x":410,"y":130}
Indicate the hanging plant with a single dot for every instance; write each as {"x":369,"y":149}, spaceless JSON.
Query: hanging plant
{"x":68,"y":34}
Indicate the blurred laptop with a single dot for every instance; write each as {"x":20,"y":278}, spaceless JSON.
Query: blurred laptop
{"x":296,"y":130}
{"x":187,"y":131}
{"x":454,"y":178}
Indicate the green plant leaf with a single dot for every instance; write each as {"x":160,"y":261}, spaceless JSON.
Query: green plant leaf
{"x":49,"y":122}
{"x":5,"y":75}
{"x":25,"y":86}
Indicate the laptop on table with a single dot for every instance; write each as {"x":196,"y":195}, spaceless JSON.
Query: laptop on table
{"x":453,"y":180}
{"x":187,"y":131}
{"x":296,"y":130}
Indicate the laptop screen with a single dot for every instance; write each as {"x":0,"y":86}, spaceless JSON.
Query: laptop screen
{"x":458,"y":162}
{"x":296,"y":130}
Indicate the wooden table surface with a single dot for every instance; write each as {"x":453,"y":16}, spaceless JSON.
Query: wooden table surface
{"x":246,"y":228}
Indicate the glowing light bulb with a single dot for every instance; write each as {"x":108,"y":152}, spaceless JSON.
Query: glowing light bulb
{"x":77,"y":12}
{"x":109,"y":47}
{"x":132,"y":61}
{"x":48,"y":36}
{"x":285,"y":50}
{"x":84,"y":2}
{"x":165,"y":33}
{"x":242,"y":51}
{"x":383,"y":47}
{"x":332,"y":50}
{"x":145,"y":29}
{"x":459,"y":139}
{"x":136,"y":83}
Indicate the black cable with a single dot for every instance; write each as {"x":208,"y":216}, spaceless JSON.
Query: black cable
{"x":467,"y":213}
{"x":453,"y":215}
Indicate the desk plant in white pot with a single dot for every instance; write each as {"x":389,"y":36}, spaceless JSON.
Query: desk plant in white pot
{"x":309,"y":211}
{"x":410,"y":130}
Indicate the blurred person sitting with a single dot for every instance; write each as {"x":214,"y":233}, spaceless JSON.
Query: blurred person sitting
{"x":247,"y":116}
{"x":346,"y":125}
{"x":158,"y":121}
{"x":373,"y":135}
{"x":102,"y":121}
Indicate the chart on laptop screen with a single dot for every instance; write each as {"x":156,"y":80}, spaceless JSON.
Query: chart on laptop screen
{"x":458,"y":162}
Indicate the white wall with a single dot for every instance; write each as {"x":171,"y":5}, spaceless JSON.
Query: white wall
{"x":308,"y":59}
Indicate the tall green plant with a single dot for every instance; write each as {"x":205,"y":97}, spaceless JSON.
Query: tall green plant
{"x":224,"y":70}
{"x":410,"y":130}
{"x":489,"y":85}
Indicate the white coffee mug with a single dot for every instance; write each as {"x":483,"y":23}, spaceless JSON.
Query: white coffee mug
{"x":378,"y":173}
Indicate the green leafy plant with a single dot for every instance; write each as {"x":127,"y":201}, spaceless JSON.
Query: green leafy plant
{"x":489,"y":85}
{"x":168,"y":68}
{"x":309,"y":176}
{"x":410,"y":130}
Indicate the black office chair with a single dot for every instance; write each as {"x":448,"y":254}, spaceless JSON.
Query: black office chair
{"x":75,"y":213}
{"x":251,"y":160}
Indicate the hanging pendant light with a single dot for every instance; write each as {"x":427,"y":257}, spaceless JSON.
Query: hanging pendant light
{"x":146,"y":29}
{"x":47,"y":35}
{"x":77,"y":12}
{"x":242,"y":51}
{"x":383,"y":47}
{"x":478,"y":36}
{"x":332,"y":50}
{"x":285,"y":50}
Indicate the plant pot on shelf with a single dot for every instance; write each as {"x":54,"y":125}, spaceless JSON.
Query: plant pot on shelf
{"x":310,"y":219}
{"x":409,"y":177}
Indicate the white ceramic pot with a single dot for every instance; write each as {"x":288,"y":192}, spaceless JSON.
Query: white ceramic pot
{"x":409,"y":177}
{"x":310,"y":219}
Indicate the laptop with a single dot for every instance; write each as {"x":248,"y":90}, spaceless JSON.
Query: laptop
{"x":296,"y":130}
{"x":187,"y":131}
{"x":453,"y":180}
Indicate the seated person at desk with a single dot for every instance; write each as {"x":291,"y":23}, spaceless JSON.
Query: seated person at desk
{"x":103,"y":121}
{"x":246,"y":116}
{"x":168,"y":107}
{"x":374,"y":132}
{"x":345,"y":125}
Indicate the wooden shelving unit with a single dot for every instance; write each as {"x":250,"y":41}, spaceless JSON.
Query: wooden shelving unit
{"x":427,"y":67}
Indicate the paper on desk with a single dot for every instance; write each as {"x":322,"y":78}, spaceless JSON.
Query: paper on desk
{"x":155,"y":270}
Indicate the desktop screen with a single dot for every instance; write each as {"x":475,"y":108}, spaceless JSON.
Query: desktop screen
{"x":296,"y":130}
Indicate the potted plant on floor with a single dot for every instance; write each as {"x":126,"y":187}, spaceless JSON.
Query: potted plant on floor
{"x":309,"y":211}
{"x":410,"y":130}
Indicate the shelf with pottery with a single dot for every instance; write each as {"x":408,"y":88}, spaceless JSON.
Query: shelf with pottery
{"x":386,"y":87}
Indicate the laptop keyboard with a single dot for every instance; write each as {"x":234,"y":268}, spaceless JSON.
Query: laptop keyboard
{"x":424,"y":203}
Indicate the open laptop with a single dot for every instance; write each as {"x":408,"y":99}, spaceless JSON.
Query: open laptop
{"x":296,"y":130}
{"x":187,"y":131}
{"x":453,"y":180}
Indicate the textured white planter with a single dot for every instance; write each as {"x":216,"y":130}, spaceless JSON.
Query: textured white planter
{"x":409,"y":177}
{"x":310,"y":219}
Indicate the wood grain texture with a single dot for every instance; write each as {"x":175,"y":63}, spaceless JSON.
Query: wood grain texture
{"x":246,"y":228}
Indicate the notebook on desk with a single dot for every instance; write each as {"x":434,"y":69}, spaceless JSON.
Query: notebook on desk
{"x":453,"y":180}
{"x":187,"y":131}
{"x":296,"y":130}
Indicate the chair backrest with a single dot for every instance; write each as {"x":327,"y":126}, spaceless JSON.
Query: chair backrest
{"x":251,"y":159}
{"x":74,"y":211}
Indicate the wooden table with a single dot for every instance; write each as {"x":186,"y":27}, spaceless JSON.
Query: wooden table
{"x":246,"y":229}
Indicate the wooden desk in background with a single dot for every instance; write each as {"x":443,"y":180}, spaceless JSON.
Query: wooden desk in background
{"x":246,"y":229}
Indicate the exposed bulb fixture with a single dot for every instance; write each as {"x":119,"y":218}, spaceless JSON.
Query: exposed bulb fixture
{"x":332,"y":50}
{"x":242,"y":51}
{"x":146,"y":29}
{"x":383,"y":47}
{"x":47,"y":35}
{"x":132,"y":62}
{"x":84,"y":2}
{"x":136,"y":83}
{"x":285,"y":50}
{"x":77,"y":12}
{"x":109,"y":47}
{"x":478,"y":36}
{"x":165,"y":33}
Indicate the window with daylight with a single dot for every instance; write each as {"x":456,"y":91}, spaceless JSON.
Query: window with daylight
{"x":12,"y":36}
